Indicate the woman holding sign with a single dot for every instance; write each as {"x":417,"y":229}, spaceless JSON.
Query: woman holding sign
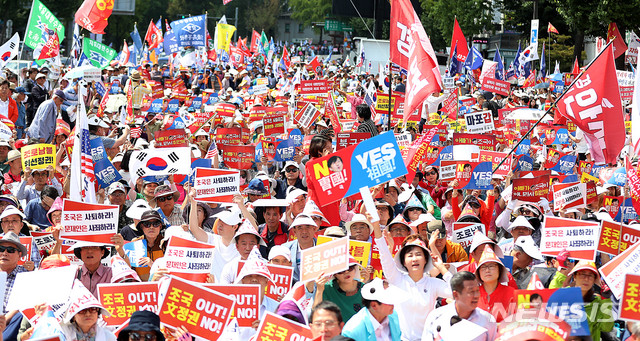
{"x":151,"y":226}
{"x":409,"y":270}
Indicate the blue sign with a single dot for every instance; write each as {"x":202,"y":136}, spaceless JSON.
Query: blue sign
{"x":105,"y":172}
{"x":565,"y":165}
{"x":285,"y":150}
{"x":190,"y":31}
{"x":525,"y":163}
{"x":619,"y":177}
{"x":173,"y":106}
{"x":297,"y":137}
{"x":523,"y":147}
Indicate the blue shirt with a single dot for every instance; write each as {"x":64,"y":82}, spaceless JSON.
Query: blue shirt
{"x":36,"y":214}
{"x":44,"y":122}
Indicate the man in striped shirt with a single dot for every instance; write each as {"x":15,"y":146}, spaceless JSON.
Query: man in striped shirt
{"x":364,"y":117}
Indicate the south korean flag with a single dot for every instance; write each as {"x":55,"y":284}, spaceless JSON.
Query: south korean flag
{"x":160,"y":161}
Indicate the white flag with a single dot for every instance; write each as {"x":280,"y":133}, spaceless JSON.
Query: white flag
{"x":529,"y":54}
{"x":160,"y":161}
{"x":9,"y":50}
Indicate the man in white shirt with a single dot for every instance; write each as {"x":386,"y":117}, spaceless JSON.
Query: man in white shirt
{"x":430,"y":106}
{"x":466,"y":293}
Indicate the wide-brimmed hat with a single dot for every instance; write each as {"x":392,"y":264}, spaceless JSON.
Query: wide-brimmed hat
{"x":149,"y":215}
{"x":143,"y":321}
{"x":375,"y":291}
{"x":529,"y":247}
{"x":419,"y":243}
{"x":247,"y":228}
{"x":13,"y":155}
{"x":137,"y":208}
{"x":11,"y":237}
{"x":135,"y":76}
{"x":164,"y":190}
{"x":518,"y":222}
{"x":79,"y":245}
{"x":585,"y":265}
{"x":256,"y":187}
{"x":358,"y":218}
{"x":11,"y":210}
{"x":488,"y":256}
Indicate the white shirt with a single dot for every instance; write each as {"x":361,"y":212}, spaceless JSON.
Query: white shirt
{"x":222,"y":255}
{"x":230,"y":271}
{"x":424,"y":293}
{"x":4,"y":107}
{"x":431,"y":104}
{"x":383,"y":332}
{"x":442,"y":317}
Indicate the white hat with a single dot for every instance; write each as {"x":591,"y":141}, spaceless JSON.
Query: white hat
{"x":41,"y":75}
{"x":11,"y":210}
{"x":247,"y":228}
{"x":375,"y":291}
{"x":117,"y":158}
{"x":233,"y":217}
{"x":95,"y":121}
{"x":137,"y":208}
{"x":529,"y":246}
{"x":294,"y":193}
{"x":280,"y":250}
{"x":357,"y":218}
{"x":302,"y":219}
{"x":116,"y":186}
{"x":480,"y":238}
{"x":520,"y":221}
{"x":291,"y":163}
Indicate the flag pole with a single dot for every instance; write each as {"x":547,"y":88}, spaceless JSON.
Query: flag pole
{"x":550,"y":108}
{"x":389,"y":112}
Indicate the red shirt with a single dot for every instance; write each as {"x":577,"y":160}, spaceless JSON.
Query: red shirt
{"x":501,"y":302}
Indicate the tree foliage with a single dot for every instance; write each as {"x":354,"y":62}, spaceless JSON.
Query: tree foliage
{"x":263,"y":16}
{"x":474,"y":17}
{"x":308,"y":11}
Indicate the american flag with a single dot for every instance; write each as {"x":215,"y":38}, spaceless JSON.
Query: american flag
{"x":136,"y":132}
{"x":82,"y":173}
{"x":87,"y":161}
{"x":213,"y":151}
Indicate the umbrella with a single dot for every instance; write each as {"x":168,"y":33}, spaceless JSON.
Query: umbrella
{"x":528,"y":115}
{"x":544,"y":85}
{"x":82,"y":72}
{"x":115,"y":102}
{"x":556,"y":77}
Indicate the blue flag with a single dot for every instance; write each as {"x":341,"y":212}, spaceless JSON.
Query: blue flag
{"x":543,"y":65}
{"x":133,"y":55}
{"x":135,"y":35}
{"x":170,"y":43}
{"x":474,"y":59}
{"x":500,"y":67}
{"x":516,"y":63}
{"x":191,"y":31}
{"x":454,"y":67}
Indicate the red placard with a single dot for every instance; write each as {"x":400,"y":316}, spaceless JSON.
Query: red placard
{"x":530,"y":189}
{"x":27,"y":242}
{"x":484,"y":142}
{"x":495,"y":85}
{"x":629,"y":235}
{"x":629,"y":307}
{"x":273,"y":124}
{"x":247,"y":298}
{"x":316,"y":87}
{"x":345,"y":140}
{"x":282,"y":277}
{"x":225,"y":109}
{"x":495,"y":158}
{"x":226,"y":136}
{"x":256,"y":113}
{"x":274,"y":327}
{"x":450,"y":105}
{"x":375,"y":255}
{"x":306,"y":115}
{"x":609,"y":238}
{"x":171,"y":138}
{"x":612,"y":205}
{"x":202,"y":311}
{"x":626,"y":93}
{"x":201,"y":119}
{"x":238,"y":156}
{"x":123,"y":299}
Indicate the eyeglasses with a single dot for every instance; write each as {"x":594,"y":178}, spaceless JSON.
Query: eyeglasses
{"x":91,"y":310}
{"x":12,"y":222}
{"x":291,"y":170}
{"x":8,"y":249}
{"x":327,"y":323}
{"x":431,"y":173}
{"x":486,"y":267}
{"x":147,"y":224}
{"x":136,"y":336}
{"x":163,"y":199}
{"x":585,"y":275}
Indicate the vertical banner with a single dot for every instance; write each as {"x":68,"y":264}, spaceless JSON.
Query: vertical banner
{"x":89,"y":222}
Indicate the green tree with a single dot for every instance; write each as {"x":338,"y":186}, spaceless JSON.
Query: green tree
{"x":474,"y":16}
{"x":308,"y":11}
{"x":263,"y":16}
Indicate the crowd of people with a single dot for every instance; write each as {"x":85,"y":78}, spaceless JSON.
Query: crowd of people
{"x":429,"y":283}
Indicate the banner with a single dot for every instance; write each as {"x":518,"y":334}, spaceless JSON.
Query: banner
{"x":273,"y":124}
{"x":202,"y":311}
{"x":216,"y":185}
{"x":629,"y":309}
{"x":171,"y":138}
{"x":121,"y":300}
{"x":343,"y":173}
{"x":307,"y":115}
{"x":531,"y":189}
{"x":474,"y":175}
{"x":563,"y":304}
{"x":463,"y":232}
{"x":328,"y":258}
{"x":496,"y":86}
{"x":495,"y":158}
{"x":105,"y":172}
{"x":160,"y":161}
{"x":38,"y":156}
{"x":344,"y":140}
{"x":569,"y":195}
{"x":579,"y":237}
{"x":609,"y":238}
{"x":275,"y":326}
{"x":484,"y":142}
{"x":238,"y":156}
{"x":188,"y":259}
{"x":89,"y":222}
{"x":247,"y":297}
{"x":615,"y":270}
{"x":450,"y":105}
{"x":316,"y":87}
{"x":191,"y":31}
{"x":282,"y":277}
{"x":39,"y":19}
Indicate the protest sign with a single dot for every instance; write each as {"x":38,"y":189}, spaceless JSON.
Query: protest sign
{"x":626,"y":93}
{"x":226,"y":136}
{"x":261,"y":86}
{"x":609,"y":241}
{"x":123,"y":299}
{"x":317,"y":87}
{"x":188,"y":259}
{"x":569,"y":195}
{"x":495,"y":158}
{"x":89,"y":222}
{"x":136,"y":250}
{"x":612,"y":204}
{"x":359,"y":250}
{"x":216,"y":185}
{"x":432,"y":156}
{"x":629,"y":235}
{"x":615,"y":270}
{"x":530,"y":189}
{"x":38,"y":156}
{"x":343,"y":173}
{"x":247,"y":297}
{"x":225,"y":109}
{"x":484,"y":142}
{"x":238,"y":156}
{"x":273,"y":124}
{"x":534,"y":328}
{"x":479,"y":122}
{"x":629,"y":307}
{"x":375,"y":256}
{"x":474,"y":175}
{"x":282,"y":277}
{"x":404,"y":140}
{"x":551,"y":135}
{"x":44,"y":240}
{"x":565,"y":304}
{"x":579,"y":237}
{"x":27,"y":292}
{"x":450,"y":105}
{"x":344,"y":140}
{"x":414,"y":154}
{"x":105,"y":172}
{"x":171,"y":138}
{"x":327,"y":258}
{"x":27,"y":242}
{"x":306,"y":115}
{"x":496,"y":86}
{"x":463,"y":232}
{"x":274,"y":327}
{"x":585,"y":167}
{"x":448,"y":170}
{"x":202,"y":311}
{"x":565,"y":163}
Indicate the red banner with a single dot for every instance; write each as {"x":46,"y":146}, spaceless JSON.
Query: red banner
{"x":495,"y":85}
{"x":484,"y":142}
{"x":123,"y":299}
{"x":530,"y":189}
{"x":93,"y":15}
{"x":273,"y":124}
{"x":316,"y":87}
{"x":238,"y":156}
{"x":226,"y":136}
{"x":247,"y":298}
{"x":171,"y":138}
{"x":495,"y":158}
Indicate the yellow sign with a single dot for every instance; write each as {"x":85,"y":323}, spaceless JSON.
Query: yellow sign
{"x":587,"y":177}
{"x":359,"y":250}
{"x":38,"y":156}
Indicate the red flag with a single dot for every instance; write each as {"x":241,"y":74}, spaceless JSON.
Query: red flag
{"x":619,"y":47}
{"x":255,"y":40}
{"x":531,"y":80}
{"x":93,"y":15}
{"x":315,"y":66}
{"x":552,"y":29}
{"x":400,"y":34}
{"x":285,"y":58}
{"x":459,"y":42}
{"x":576,"y":68}
{"x":423,"y":77}
{"x":242,"y":43}
{"x":414,"y":153}
{"x":593,"y":103}
{"x":153,"y":36}
{"x":50,"y":48}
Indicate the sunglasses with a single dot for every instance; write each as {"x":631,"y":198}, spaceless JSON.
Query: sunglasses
{"x":147,"y":224}
{"x":8,"y":249}
{"x":291,"y":170}
{"x":431,"y":173}
{"x":138,"y":337}
{"x":89,"y":310}
{"x":163,"y":199}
